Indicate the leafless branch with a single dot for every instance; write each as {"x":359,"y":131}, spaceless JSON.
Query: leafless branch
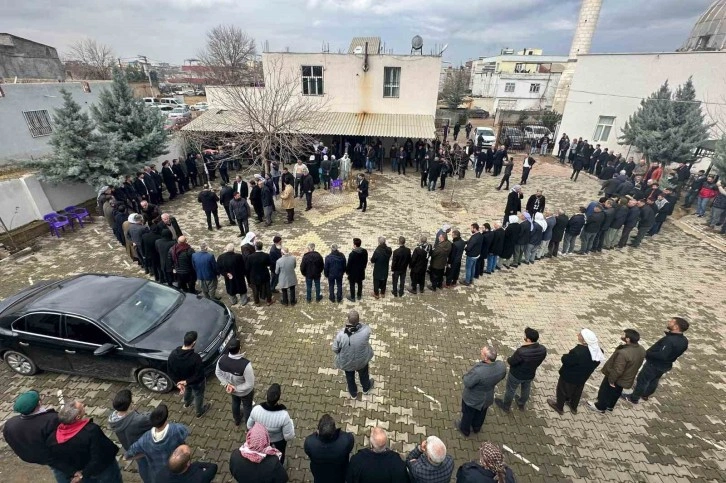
{"x":229,"y":56}
{"x":91,"y":59}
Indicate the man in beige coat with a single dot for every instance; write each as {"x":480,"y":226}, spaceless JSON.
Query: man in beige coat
{"x":620,"y":371}
{"x":288,"y":202}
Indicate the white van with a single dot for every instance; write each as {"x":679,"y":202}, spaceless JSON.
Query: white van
{"x":172,"y":101}
{"x":535,"y":133}
{"x":151,"y":101}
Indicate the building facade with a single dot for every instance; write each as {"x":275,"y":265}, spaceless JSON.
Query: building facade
{"x":28,"y":61}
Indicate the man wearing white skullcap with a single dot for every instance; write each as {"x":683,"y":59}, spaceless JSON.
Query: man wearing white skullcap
{"x":444,"y":230}
{"x":577,"y":367}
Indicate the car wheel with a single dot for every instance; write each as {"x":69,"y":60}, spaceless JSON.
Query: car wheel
{"x":20,"y":363}
{"x":154,"y":380}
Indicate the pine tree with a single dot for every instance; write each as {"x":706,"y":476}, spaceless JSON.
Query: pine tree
{"x":78,"y":153}
{"x":719,"y":158}
{"x":133,"y":133}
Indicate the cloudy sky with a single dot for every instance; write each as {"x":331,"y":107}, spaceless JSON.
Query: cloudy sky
{"x":174,"y":30}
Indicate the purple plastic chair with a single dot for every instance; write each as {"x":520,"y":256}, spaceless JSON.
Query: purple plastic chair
{"x":56,"y":222}
{"x":78,"y":214}
{"x":336,"y":184}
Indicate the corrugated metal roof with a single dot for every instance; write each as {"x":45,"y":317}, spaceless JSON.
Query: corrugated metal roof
{"x":374,"y":44}
{"x":330,"y":123}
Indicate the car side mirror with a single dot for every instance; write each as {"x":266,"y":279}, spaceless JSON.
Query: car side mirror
{"x":104,"y":349}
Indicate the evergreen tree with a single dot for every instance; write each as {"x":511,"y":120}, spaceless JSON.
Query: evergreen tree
{"x":133,"y":133}
{"x":719,"y":158}
{"x":667,"y":128}
{"x":454,"y":89}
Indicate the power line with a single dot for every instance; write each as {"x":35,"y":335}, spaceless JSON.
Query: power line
{"x":648,"y":99}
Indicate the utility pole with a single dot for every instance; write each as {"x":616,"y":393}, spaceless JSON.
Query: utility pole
{"x":147,"y":71}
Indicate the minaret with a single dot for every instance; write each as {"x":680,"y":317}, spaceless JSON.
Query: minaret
{"x":586,"y":23}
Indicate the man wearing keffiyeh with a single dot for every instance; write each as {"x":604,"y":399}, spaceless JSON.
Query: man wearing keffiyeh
{"x":490,"y":467}
{"x":256,"y":460}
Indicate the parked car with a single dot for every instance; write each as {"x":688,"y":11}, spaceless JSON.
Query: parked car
{"x":487,"y":134}
{"x":151,"y":101}
{"x":109,"y":327}
{"x":535,"y":133}
{"x":200,"y":92}
{"x":479,"y":113}
{"x":515,"y":135}
{"x":181,"y":111}
{"x":171,"y":101}
{"x":200,"y":106}
{"x":175,"y":123}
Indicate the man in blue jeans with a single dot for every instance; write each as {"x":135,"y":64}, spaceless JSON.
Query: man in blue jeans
{"x":473,"y":252}
{"x":334,"y":270}
{"x":187,"y":371}
{"x":523,"y":365}
{"x":311,"y":268}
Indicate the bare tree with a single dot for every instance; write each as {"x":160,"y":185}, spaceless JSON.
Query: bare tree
{"x":270,"y":121}
{"x":229,"y":56}
{"x":91,"y":59}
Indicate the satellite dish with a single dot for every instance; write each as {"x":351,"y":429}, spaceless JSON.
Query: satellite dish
{"x":358,"y":49}
{"x":416,"y":42}
{"x":445,"y":47}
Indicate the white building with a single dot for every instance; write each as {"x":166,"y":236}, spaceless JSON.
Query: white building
{"x":607,"y":89}
{"x":363,"y":93}
{"x":524,"y":81}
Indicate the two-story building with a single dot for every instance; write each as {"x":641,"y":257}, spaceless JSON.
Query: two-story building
{"x":363,"y":94}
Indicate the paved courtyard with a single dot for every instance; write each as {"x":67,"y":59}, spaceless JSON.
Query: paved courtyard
{"x":424,"y":343}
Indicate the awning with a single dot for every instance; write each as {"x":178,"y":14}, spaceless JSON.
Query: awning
{"x":328,"y":123}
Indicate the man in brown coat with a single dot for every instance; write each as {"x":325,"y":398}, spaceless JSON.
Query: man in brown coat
{"x":288,"y":202}
{"x":439,"y":258}
{"x":620,"y":371}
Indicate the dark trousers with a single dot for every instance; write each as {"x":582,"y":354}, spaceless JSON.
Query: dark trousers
{"x":478,"y":170}
{"x":282,"y":447}
{"x":399,"y":281}
{"x":690,"y":196}
{"x":244,"y":225}
{"x":186,"y":282}
{"x":309,"y":288}
{"x":642,"y":231}
{"x":471,"y":419}
{"x":379,"y":286}
{"x":288,"y":296}
{"x":309,"y":199}
{"x":334,"y":283}
{"x":209,"y":218}
{"x":424,"y":179}
{"x":193,"y":178}
{"x":647,"y":381}
{"x":505,"y":179}
{"x":223,"y":173}
{"x":298,"y":187}
{"x":261,"y":291}
{"x":497,"y":170}
{"x":655,"y":229}
{"x":362,"y":201}
{"x":246,"y":403}
{"x":353,"y":285}
{"x":607,"y":396}
{"x":418,"y":280}
{"x":168,"y":277}
{"x":568,"y":393}
{"x":525,"y":175}
{"x":229,"y":215}
{"x":437,"y":278}
{"x":443,"y":182}
{"x":196,"y":392}
{"x":599,"y":240}
{"x":553,"y":247}
{"x":575,"y":174}
{"x":364,"y":377}
{"x":290,"y":214}
{"x":624,"y":237}
{"x":453,"y":274}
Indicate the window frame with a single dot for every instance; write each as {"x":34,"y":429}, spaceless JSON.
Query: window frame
{"x":67,"y":336}
{"x":602,"y":129}
{"x":534,"y":87}
{"x":25,"y":330}
{"x":39,"y":122}
{"x":392,"y":83}
{"x":507,"y":86}
{"x":312,"y":82}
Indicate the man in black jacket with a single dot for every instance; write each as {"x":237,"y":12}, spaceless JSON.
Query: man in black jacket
{"x":572,"y":231}
{"x":380,"y":259}
{"x":169,"y":179}
{"x":619,"y":216}
{"x":473,"y":252}
{"x":377,"y":463}
{"x":209,"y":199}
{"x":514,"y":202}
{"x":186,"y":369}
{"x":79,"y":449}
{"x":523,"y":365}
{"x":27,"y":433}
{"x":356,"y":269}
{"x":659,"y":359}
{"x":526,"y":168}
{"x":419,"y":262}
{"x":334,"y":269}
{"x":558,"y":232}
{"x":647,"y":220}
{"x":329,"y":449}
{"x":226,"y":195}
{"x":453,"y":269}
{"x":308,"y":185}
{"x":591,"y":229}
{"x":258,"y":266}
{"x":577,"y":367}
{"x":362,"y":192}
{"x":608,"y":216}
{"x":631,"y":220}
{"x":508,"y":168}
{"x":181,"y":469}
{"x":536,"y":203}
{"x":311,"y":267}
{"x":181,"y":178}
{"x":399,"y":265}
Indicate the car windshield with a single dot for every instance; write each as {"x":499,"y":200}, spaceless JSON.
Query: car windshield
{"x":486,"y":132}
{"x":144,"y":309}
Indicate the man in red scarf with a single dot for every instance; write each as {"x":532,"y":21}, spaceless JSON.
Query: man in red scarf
{"x":256,"y":460}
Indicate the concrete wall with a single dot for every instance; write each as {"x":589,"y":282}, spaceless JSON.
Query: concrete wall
{"x":614,"y":84}
{"x":27,"y":199}
{"x":16,"y":142}
{"x":347,"y":88}
{"x":28,"y":60}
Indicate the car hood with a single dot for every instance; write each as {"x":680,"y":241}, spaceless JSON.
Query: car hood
{"x":207,"y":318}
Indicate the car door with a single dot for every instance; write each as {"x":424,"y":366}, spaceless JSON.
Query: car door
{"x":39,"y":336}
{"x":83,"y":337}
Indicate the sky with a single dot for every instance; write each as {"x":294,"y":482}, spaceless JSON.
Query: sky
{"x":174,"y":30}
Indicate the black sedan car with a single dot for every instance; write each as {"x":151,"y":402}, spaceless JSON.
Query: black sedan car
{"x":111,"y":327}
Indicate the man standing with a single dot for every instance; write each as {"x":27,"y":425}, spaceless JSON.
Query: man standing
{"x":169,"y":179}
{"x":275,"y":255}
{"x":181,"y":258}
{"x":328,"y":449}
{"x":577,"y":367}
{"x":231,"y":267}
{"x":473,"y":251}
{"x":536,"y":203}
{"x":362,"y":192}
{"x":659,"y":359}
{"x":27,"y":433}
{"x":205,"y":267}
{"x":79,"y":448}
{"x":187,"y":371}
{"x":478,"y":395}
{"x":180,"y":468}
{"x":514,"y":202}
{"x":526,"y":168}
{"x":645,"y":223}
{"x":399,"y":265}
{"x":334,"y":269}
{"x":288,"y":202}
{"x":631,"y":220}
{"x":356,"y":269}
{"x":268,"y":202}
{"x":308,"y":185}
{"x":353,"y":353}
{"x":591,"y":229}
{"x":381,"y":257}
{"x":508,"y":167}
{"x":239,"y":211}
{"x":129,"y":426}
{"x":619,"y":370}
{"x":236,"y":375}
{"x":439,"y":259}
{"x":311,"y":267}
{"x":429,"y":463}
{"x":209,"y":199}
{"x":299,"y":171}
{"x":377,"y":463}
{"x":453,"y":269}
{"x":419,"y":262}
{"x":258,"y":271}
{"x":226,"y":194}
{"x":170,"y":223}
{"x":435,"y":168}
{"x":523,"y":365}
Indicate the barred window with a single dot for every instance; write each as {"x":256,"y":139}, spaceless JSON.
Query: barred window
{"x":391,"y":81}
{"x":312,"y":80}
{"x":38,"y":123}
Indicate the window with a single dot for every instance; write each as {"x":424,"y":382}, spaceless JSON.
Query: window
{"x":83,"y":331}
{"x":141,"y":311}
{"x":518,"y":68}
{"x":391,"y":81}
{"x":40,"y":324}
{"x":534,"y":88}
{"x":604,"y":126}
{"x":509,"y":87}
{"x":312,"y":80}
{"x":38,"y":122}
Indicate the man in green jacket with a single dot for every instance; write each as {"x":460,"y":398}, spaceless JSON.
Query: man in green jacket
{"x":620,"y":371}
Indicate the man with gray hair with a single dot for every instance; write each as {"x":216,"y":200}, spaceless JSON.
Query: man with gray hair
{"x":311,"y":267}
{"x":429,"y":463}
{"x":334,"y":269}
{"x":205,"y":266}
{"x":381,"y":257}
{"x":478,"y":395}
{"x":377,"y":463}
{"x":353,"y":352}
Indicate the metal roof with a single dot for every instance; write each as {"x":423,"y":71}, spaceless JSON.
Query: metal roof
{"x":374,"y":44}
{"x":328,"y":123}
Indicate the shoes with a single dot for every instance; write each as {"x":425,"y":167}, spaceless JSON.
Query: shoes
{"x":553,"y":404}
{"x":431,"y":287}
{"x":520,"y":407}
{"x":457,"y":425}
{"x":410,"y":290}
{"x":270,"y":302}
{"x":237,"y":422}
{"x":308,"y":209}
{"x":644,"y":398}
{"x":395,"y":294}
{"x":370,"y":387}
{"x":383,"y":294}
{"x":376,"y":296}
{"x":350,"y":299}
{"x":500,"y":404}
{"x":359,"y":208}
{"x":187,"y":405}
{"x":318,"y":299}
{"x":626,"y":397}
{"x":591,"y":406}
{"x":240,"y":235}
{"x":204,"y":410}
{"x":354,"y":396}
{"x":573,"y":410}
